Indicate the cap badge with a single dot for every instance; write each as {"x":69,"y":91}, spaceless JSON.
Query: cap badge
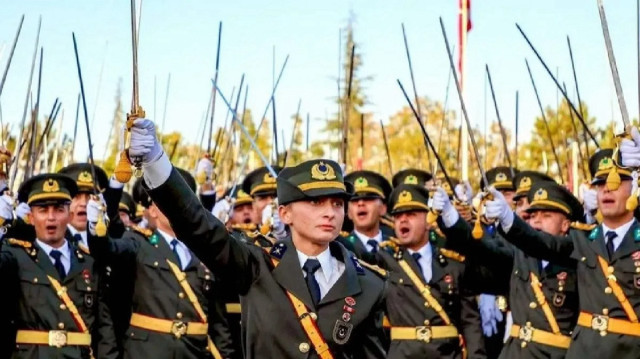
{"x":411,"y":179}
{"x":268,"y":178}
{"x":321,"y":171}
{"x":605,"y":164}
{"x":501,"y":177}
{"x":242,"y":194}
{"x":525,"y":183}
{"x":85,"y":177}
{"x":404,"y":197}
{"x":50,"y":185}
{"x":361,"y":183}
{"x":540,"y":195}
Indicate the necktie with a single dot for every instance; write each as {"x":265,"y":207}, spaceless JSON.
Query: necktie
{"x":174,"y":244}
{"x":610,"y":236}
{"x":373,"y":244}
{"x":77,"y":238}
{"x":310,"y":267}
{"x":416,"y":256}
{"x":57,"y":263}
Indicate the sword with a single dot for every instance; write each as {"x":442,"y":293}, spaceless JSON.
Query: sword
{"x":13,"y":49}
{"x":502,"y":133}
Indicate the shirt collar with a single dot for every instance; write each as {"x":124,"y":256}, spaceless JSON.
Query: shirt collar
{"x":364,"y":238}
{"x":620,"y":231}
{"x":64,"y":249}
{"x":425,"y":251}
{"x":167,"y":237}
{"x":326,"y":262}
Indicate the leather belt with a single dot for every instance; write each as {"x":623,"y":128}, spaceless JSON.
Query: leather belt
{"x":53,"y":338}
{"x":175,"y":327}
{"x":604,"y":324}
{"x":424,"y":333}
{"x":530,"y":334}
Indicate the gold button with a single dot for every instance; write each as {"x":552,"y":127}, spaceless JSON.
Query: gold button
{"x":181,"y":295}
{"x":88,"y":289}
{"x":533,"y":305}
{"x":313,"y":316}
{"x":427,"y":322}
{"x":61,"y":325}
{"x":583,"y":259}
{"x":401,"y":281}
{"x":610,"y":270}
{"x":63,"y":307}
{"x":608,"y":290}
{"x":561,"y":288}
{"x":426,"y":304}
{"x":304,"y":347}
{"x":35,"y":280}
{"x":516,"y":271}
{"x":605,"y":311}
{"x":179,"y":315}
{"x":155,"y":264}
{"x":523,"y":344}
{"x":638,"y":270}
{"x":207,"y":277}
{"x":87,"y":281}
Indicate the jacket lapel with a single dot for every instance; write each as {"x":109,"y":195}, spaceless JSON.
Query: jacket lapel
{"x":289,"y":275}
{"x":628,"y":244}
{"x":438,"y":262}
{"x":348,"y":283}
{"x":76,"y":266}
{"x":596,"y":242}
{"x":413,"y":264}
{"x":45,"y":263}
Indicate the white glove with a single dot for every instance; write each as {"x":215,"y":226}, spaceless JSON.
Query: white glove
{"x":464,"y":191}
{"x":630,"y":149}
{"x":23,"y":210}
{"x":144,"y":142}
{"x":278,"y":228}
{"x":590,"y":198}
{"x":442,"y":203}
{"x":221,"y":210}
{"x":499,"y":209}
{"x":205,"y":166}
{"x":95,"y":208}
{"x":6,"y":207}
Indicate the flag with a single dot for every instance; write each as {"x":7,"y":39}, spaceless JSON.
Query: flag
{"x":464,"y":26}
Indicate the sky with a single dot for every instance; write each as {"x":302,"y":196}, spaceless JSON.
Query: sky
{"x":180,"y":38}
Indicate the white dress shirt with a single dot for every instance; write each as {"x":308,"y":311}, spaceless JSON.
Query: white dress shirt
{"x":83,"y":234}
{"x":363,"y":238}
{"x":330,"y":270}
{"x":183,"y":251}
{"x":426,"y":256}
{"x":620,"y":231}
{"x":65,"y":258}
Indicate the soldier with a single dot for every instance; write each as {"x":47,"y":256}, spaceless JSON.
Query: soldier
{"x":126,"y":209}
{"x":307,"y":296}
{"x":366,"y":209}
{"x":543,"y":295}
{"x":173,"y":310}
{"x":523,"y":182}
{"x":261,"y":186}
{"x":51,"y":285}
{"x":607,"y":260}
{"x":428,"y":307}
{"x":82,"y":174}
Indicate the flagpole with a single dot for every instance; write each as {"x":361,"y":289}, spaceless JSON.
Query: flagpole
{"x":462,"y":28}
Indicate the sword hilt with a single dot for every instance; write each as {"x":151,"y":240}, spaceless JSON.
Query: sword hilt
{"x":123,"y":170}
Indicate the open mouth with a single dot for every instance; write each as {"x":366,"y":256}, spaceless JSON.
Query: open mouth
{"x":608,"y":201}
{"x":362,"y":214}
{"x":81,"y":214}
{"x":403,"y":230}
{"x":51,"y":229}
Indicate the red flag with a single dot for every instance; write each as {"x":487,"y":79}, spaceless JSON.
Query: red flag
{"x":464,"y":26}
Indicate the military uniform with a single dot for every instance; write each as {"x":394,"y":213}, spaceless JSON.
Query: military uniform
{"x":543,"y":297}
{"x":166,"y":316}
{"x":43,"y":300}
{"x":432,"y":319}
{"x":348,"y":318}
{"x":608,"y":287}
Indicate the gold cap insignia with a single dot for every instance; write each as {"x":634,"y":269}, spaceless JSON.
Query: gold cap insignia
{"x":605,"y":164}
{"x":501,"y":177}
{"x":268,"y":178}
{"x":540,"y":195}
{"x":85,"y":177}
{"x":242,"y":194}
{"x":50,"y":185}
{"x":321,"y":171}
{"x":361,"y":183}
{"x":525,"y":182}
{"x":411,"y":179}
{"x":404,"y":197}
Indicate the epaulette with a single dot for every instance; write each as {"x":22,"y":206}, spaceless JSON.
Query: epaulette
{"x":20,"y":243}
{"x":387,"y":222}
{"x":392,"y":244}
{"x":82,"y":248}
{"x":143,"y":231}
{"x":452,"y":255}
{"x":583,"y":226}
{"x":374,"y":268}
{"x":249,"y":227}
{"x":344,"y":234}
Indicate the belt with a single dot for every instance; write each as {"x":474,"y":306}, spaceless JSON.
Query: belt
{"x":53,"y":338}
{"x":425,"y":334}
{"x":175,"y":327}
{"x":233,"y":308}
{"x":604,"y":324}
{"x":529,"y":334}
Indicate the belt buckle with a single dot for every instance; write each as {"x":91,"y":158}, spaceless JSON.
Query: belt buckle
{"x":178,"y":328}
{"x":424,"y":334}
{"x":600,"y":323}
{"x":525,"y":333}
{"x":57,"y":338}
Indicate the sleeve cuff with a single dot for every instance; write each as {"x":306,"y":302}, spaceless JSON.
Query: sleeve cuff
{"x":450,"y":218}
{"x":114,"y":183}
{"x":507,"y":222}
{"x":157,"y":172}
